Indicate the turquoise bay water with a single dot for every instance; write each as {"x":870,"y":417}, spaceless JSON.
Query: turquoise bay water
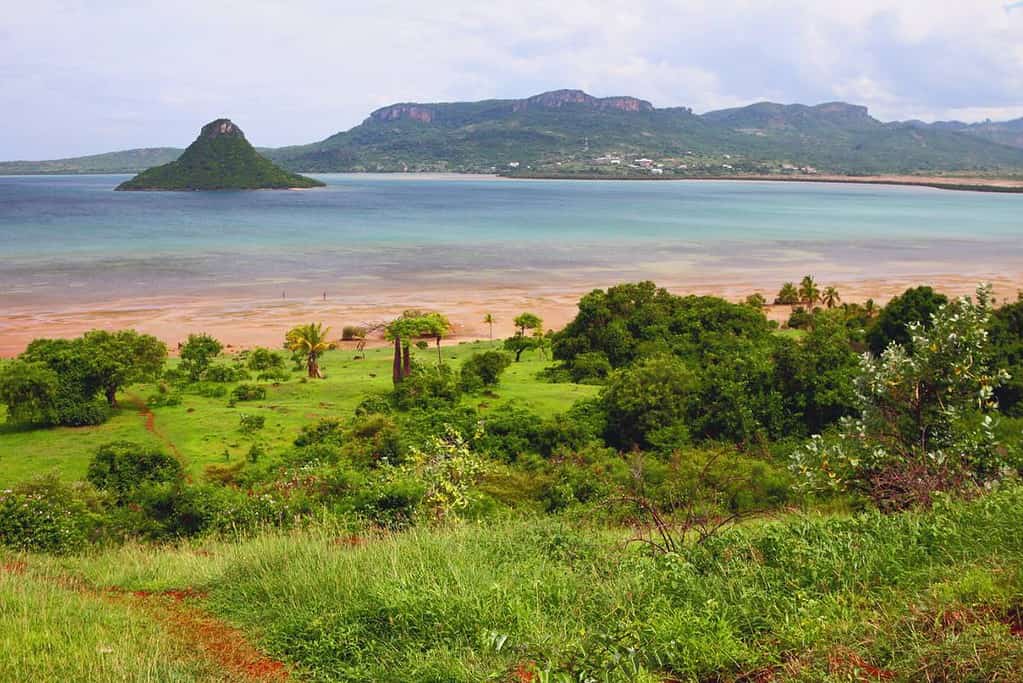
{"x":72,"y":239}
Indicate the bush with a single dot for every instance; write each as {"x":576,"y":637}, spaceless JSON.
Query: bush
{"x":264,"y":360}
{"x":371,"y":405}
{"x":647,"y":403}
{"x":121,"y":467}
{"x":352,"y":332}
{"x":248,"y":392}
{"x":250,"y":424}
{"x":427,"y":386}
{"x":800,"y":319}
{"x":329,"y":430}
{"x":30,"y":392}
{"x":892,"y":326}
{"x":483,"y":370}
{"x":33,"y":521}
{"x":590,"y":367}
{"x":196,"y":354}
{"x":223,"y":373}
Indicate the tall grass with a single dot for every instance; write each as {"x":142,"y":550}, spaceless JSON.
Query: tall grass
{"x":912,"y":596}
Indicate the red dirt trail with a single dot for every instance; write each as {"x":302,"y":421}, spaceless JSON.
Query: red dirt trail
{"x":212,"y":639}
{"x":150,"y":419}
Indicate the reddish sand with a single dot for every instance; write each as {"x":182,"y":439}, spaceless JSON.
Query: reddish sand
{"x":243,"y":323}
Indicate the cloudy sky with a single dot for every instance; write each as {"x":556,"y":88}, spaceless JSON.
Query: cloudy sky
{"x":86,"y":77}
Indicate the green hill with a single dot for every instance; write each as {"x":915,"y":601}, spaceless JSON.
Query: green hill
{"x":219,"y":159}
{"x":126,"y":161}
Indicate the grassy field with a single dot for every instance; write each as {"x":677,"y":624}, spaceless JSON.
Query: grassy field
{"x":917,"y":596}
{"x":205,"y":431}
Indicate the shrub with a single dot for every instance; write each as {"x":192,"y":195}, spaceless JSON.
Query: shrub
{"x":428,"y":386}
{"x":264,"y":360}
{"x":33,"y":521}
{"x":250,"y":424}
{"x":922,"y":424}
{"x":352,"y":332}
{"x":914,"y":306}
{"x":29,"y":390}
{"x":120,"y":467}
{"x":248,"y":392}
{"x":223,"y":373}
{"x":590,"y":367}
{"x":483,"y":370}
{"x":329,"y":430}
{"x":800,"y":319}
{"x":371,"y":405}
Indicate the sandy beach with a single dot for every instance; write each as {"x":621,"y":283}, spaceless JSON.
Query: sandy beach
{"x":244,"y":322}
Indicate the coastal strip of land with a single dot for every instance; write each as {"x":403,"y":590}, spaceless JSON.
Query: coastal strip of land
{"x":243,"y":321}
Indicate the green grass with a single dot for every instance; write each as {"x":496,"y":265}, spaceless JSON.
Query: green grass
{"x":205,"y":430}
{"x":50,"y":632}
{"x":919,"y":596}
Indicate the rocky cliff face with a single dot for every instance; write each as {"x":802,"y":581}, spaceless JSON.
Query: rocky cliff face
{"x":411,"y":112}
{"x":221,"y":128}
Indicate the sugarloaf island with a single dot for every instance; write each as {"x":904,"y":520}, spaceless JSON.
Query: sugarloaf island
{"x":219,"y":159}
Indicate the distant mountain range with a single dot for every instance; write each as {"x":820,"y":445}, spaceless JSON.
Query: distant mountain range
{"x":570,"y":132}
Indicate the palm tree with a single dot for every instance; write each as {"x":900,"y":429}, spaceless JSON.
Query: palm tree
{"x":870,"y":308}
{"x":809,"y":291}
{"x":311,"y":340}
{"x":489,"y":319}
{"x":788,"y":295}
{"x":831,"y":297}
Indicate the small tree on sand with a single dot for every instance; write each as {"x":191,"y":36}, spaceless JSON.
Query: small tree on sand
{"x":489,"y":319}
{"x":312,"y":341}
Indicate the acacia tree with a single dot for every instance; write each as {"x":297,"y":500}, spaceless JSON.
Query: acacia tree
{"x":122,"y":358}
{"x":311,"y":340}
{"x":924,"y":415}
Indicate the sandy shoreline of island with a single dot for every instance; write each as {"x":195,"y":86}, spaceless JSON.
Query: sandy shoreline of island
{"x":242,"y":322}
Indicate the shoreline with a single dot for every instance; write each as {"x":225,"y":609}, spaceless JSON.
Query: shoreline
{"x":242,"y":322}
{"x":957,"y":184}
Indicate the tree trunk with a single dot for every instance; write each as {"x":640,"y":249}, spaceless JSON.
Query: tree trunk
{"x":396,"y":373}
{"x":111,"y":393}
{"x":406,"y":358}
{"x":440,"y":361}
{"x":313,"y":367}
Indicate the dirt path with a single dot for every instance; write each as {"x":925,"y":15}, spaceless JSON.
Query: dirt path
{"x":198,"y":631}
{"x":150,"y":422}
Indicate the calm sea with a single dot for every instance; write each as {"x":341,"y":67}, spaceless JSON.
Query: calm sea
{"x":72,"y":239}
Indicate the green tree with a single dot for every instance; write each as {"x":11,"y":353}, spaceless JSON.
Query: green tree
{"x":914,"y":306}
{"x":413,"y":324}
{"x":756,"y":300}
{"x":484,"y":370}
{"x":831,"y":297}
{"x":1007,"y":349}
{"x":121,"y":467}
{"x":29,"y":390}
{"x":310,"y":340}
{"x":809,"y":292}
{"x":196,"y":354}
{"x":518,"y":344}
{"x":647,"y":403}
{"x":528,"y":321}
{"x":122,"y":358}
{"x":923,"y":422}
{"x":788,"y":295}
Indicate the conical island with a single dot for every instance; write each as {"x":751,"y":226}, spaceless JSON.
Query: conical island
{"x":219,"y":159}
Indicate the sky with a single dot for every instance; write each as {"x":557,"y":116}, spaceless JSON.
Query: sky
{"x":87,"y":77}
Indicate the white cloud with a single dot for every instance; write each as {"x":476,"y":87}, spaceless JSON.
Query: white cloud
{"x":86,"y":77}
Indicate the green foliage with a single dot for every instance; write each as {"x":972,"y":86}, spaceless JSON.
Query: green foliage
{"x":218,"y":161}
{"x":892,"y":326}
{"x":250,"y":424}
{"x":121,"y":467}
{"x":788,"y":295}
{"x":519,"y":344}
{"x":261,"y":359}
{"x":428,"y":386}
{"x":353,"y":332}
{"x":248,"y":392}
{"x":647,"y":404}
{"x":224,"y":373}
{"x":43,"y":516}
{"x":196,"y":354}
{"x":449,"y":471}
{"x":1007,"y":352}
{"x":923,"y":422}
{"x":29,"y":390}
{"x":483,"y":370}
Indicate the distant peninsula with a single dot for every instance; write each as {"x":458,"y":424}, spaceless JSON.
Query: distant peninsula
{"x":219,"y":159}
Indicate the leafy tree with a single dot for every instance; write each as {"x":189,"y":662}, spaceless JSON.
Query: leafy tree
{"x":29,"y":390}
{"x":915,"y":305}
{"x":528,"y":321}
{"x":922,"y":424}
{"x":196,"y":354}
{"x":831,"y":297}
{"x":518,"y":344}
{"x":122,"y":358}
{"x":311,"y":341}
{"x":484,"y":370}
{"x":1007,"y":349}
{"x":264,"y":360}
{"x":788,"y":295}
{"x":647,"y":403}
{"x":809,"y":291}
{"x":411,"y":325}
{"x":756,"y":300}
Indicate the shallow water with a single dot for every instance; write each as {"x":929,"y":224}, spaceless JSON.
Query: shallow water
{"x":72,"y":239}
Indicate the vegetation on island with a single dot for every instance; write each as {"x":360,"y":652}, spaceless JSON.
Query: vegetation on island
{"x":668,"y":488}
{"x":219,"y":159}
